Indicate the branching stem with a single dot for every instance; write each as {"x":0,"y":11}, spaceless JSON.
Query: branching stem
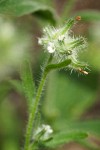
{"x":34,"y":108}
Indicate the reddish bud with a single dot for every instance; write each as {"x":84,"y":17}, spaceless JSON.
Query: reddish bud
{"x":78,"y":18}
{"x":83,"y":71}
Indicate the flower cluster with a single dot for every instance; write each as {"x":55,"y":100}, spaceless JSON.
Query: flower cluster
{"x":62,"y":44}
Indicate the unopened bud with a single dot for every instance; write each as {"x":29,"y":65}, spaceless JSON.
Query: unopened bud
{"x":78,"y":18}
{"x":83,"y":71}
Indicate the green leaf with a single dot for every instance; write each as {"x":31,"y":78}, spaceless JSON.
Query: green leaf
{"x":66,"y":137}
{"x":89,"y":15}
{"x":24,"y":7}
{"x":91,"y":127}
{"x":27,"y":83}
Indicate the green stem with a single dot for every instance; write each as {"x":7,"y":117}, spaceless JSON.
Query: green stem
{"x":33,"y":112}
{"x":35,"y":107}
{"x":48,"y":68}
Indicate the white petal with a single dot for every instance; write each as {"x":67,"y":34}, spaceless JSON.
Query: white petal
{"x":50,"y":49}
{"x":61,"y":38}
{"x":51,"y":44}
{"x":39,"y":41}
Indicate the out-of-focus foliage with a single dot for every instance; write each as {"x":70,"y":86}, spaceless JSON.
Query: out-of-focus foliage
{"x":13,"y":46}
{"x":93,"y":53}
{"x":68,"y":98}
{"x":89,"y":15}
{"x":9,"y":126}
{"x":66,"y":89}
{"x":19,"y":8}
{"x":4,"y":90}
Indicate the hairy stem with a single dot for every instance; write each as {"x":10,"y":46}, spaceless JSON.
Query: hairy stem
{"x":34,"y":108}
{"x":33,"y":111}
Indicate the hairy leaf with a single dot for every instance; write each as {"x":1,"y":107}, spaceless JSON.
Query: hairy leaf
{"x":27,"y":82}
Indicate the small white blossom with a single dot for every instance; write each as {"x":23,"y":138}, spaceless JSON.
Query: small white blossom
{"x":51,"y":47}
{"x":61,"y":37}
{"x":44,"y":132}
{"x":40,"y":41}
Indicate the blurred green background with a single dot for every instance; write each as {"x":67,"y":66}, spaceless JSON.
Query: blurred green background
{"x":70,"y":101}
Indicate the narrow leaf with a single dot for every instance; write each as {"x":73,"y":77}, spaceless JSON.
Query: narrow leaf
{"x":27,"y":83}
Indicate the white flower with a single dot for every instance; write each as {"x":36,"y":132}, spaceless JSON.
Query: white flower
{"x":43,"y":132}
{"x":40,"y":41}
{"x":51,"y":47}
{"x":61,"y":37}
